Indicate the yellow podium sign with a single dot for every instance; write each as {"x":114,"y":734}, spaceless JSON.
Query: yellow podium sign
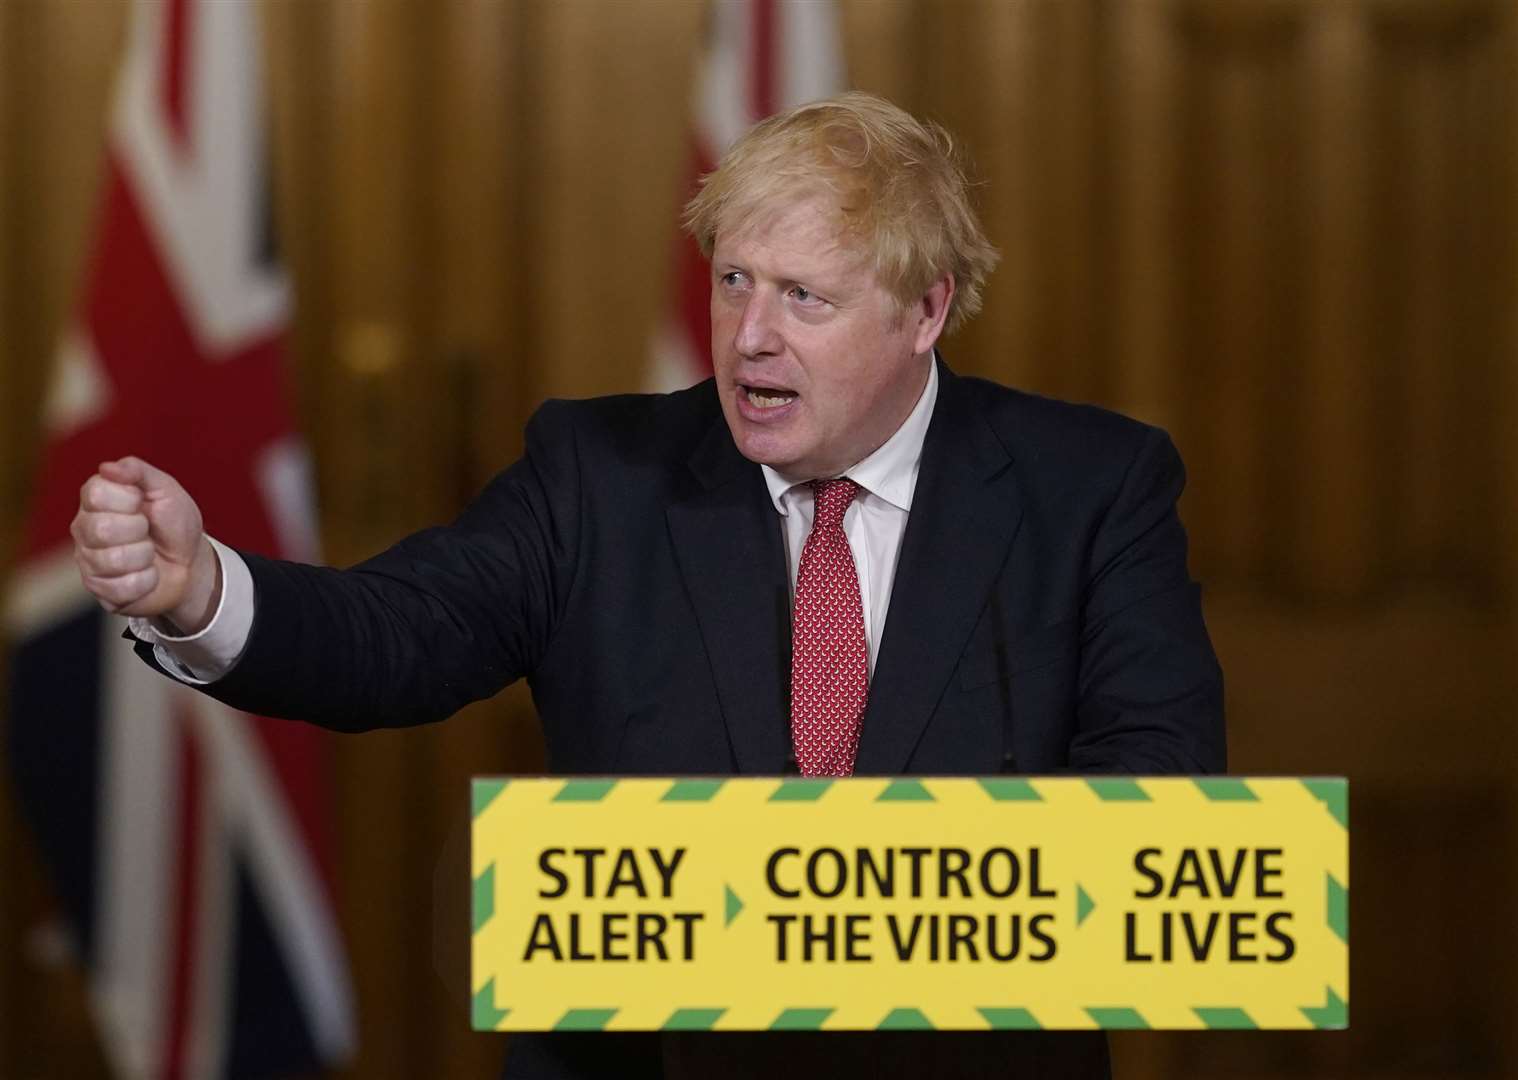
{"x":723,"y":904}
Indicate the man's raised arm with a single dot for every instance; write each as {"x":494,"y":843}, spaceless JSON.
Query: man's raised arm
{"x":446,"y":616}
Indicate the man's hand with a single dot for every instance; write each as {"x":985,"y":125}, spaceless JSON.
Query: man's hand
{"x":141,"y":548}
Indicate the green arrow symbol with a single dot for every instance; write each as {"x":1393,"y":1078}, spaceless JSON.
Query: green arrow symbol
{"x":1083,"y":905}
{"x":732,"y":904}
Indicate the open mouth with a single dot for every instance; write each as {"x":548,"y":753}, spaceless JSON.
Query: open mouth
{"x":766,"y":397}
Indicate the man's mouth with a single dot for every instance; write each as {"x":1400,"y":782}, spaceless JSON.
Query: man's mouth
{"x":765,"y":397}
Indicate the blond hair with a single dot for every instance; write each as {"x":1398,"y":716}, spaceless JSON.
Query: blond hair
{"x":898,"y":186}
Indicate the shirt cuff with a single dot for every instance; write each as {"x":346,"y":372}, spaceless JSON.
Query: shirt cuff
{"x":206,"y":656}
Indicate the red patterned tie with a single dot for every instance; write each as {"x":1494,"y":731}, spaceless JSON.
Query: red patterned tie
{"x":830,"y":680}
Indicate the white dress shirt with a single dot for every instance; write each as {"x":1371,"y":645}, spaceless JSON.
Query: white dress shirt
{"x":207,"y":656}
{"x":875,"y":522}
{"x":874,"y":525}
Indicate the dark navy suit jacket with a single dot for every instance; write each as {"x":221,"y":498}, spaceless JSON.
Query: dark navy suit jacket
{"x":631,"y":567}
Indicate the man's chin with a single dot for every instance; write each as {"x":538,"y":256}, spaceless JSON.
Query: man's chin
{"x":763,"y":448}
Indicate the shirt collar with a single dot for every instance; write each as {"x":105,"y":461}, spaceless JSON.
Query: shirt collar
{"x":890,"y":473}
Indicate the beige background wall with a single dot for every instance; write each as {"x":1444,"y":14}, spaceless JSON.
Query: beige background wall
{"x":1282,"y":228}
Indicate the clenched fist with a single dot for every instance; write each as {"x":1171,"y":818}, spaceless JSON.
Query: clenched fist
{"x":141,"y":548}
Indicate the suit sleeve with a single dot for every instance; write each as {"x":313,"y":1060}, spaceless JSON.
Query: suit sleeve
{"x":1151,"y":690}
{"x":447,"y":616}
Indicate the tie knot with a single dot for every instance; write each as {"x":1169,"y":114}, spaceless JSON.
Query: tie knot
{"x":833,"y":498}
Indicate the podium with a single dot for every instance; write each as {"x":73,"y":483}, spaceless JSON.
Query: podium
{"x":918,"y":903}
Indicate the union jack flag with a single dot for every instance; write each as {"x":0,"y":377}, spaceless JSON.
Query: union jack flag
{"x":187,"y":841}
{"x":759,"y":56}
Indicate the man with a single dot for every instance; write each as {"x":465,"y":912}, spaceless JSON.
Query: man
{"x":834,"y":557}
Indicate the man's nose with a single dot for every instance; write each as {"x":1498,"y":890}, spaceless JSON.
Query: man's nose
{"x":757,"y":334}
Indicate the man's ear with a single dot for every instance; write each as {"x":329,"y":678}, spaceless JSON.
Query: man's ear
{"x":931,"y":312}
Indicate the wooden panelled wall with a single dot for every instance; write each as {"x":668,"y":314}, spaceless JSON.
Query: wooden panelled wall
{"x":1282,"y":228}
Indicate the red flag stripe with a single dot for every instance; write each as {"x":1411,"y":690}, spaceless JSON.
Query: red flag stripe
{"x":175,"y":72}
{"x":762,"y":69}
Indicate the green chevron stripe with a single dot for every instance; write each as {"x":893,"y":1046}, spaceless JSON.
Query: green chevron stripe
{"x":1011,"y":790}
{"x":1009,"y":1018}
{"x":585,"y":1019}
{"x":1117,"y":1018}
{"x":731,"y":905}
{"x":482,"y":898}
{"x":584,"y":790}
{"x":1118,"y":790}
{"x":1333,"y":1014}
{"x":483,"y":1014}
{"x":801,"y":1019}
{"x":1225,"y":1018}
{"x":1225,"y":789}
{"x":808,"y":790}
{"x":482,"y":793}
{"x":1084,"y":905}
{"x":905,"y":1020}
{"x":692,"y":791}
{"x":1338,"y":909}
{"x":693,"y":1019}
{"x":905,"y":791}
{"x":1335,"y":795}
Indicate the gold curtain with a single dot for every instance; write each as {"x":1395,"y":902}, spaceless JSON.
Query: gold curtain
{"x":1281,"y":228}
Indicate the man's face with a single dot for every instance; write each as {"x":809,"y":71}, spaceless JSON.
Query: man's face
{"x":816,"y":365}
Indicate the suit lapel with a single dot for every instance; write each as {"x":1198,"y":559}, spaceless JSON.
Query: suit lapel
{"x":965,"y":512}
{"x":727,"y":542}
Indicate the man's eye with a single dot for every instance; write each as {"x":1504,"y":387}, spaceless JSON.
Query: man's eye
{"x":802,"y":293}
